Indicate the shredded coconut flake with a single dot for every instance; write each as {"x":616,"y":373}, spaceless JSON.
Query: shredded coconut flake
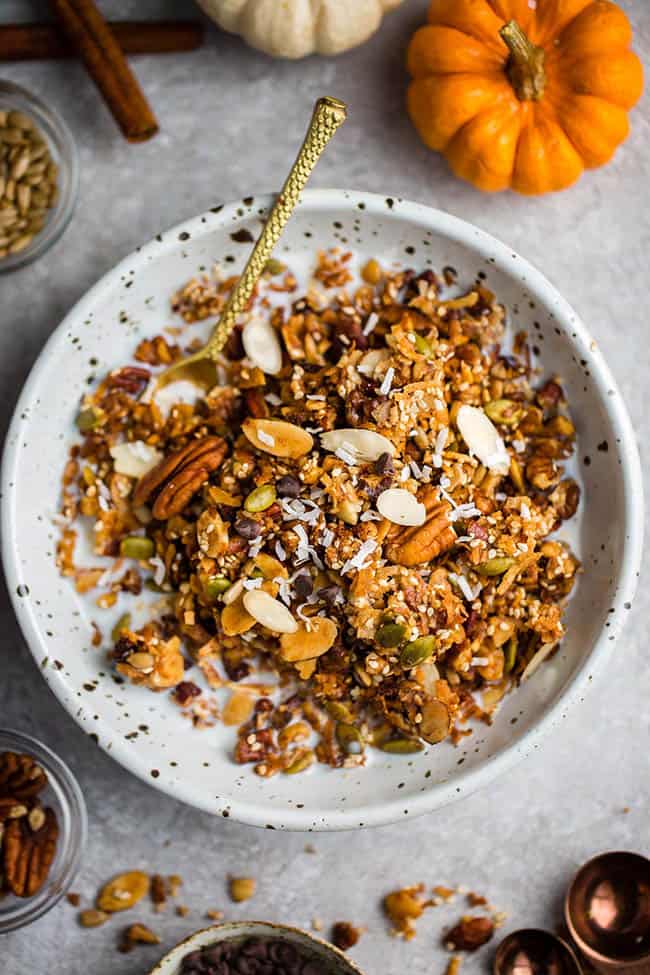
{"x":525,"y":511}
{"x":358,"y":561}
{"x":371,"y":323}
{"x":346,"y":454}
{"x":280,"y":551}
{"x":252,"y":583}
{"x":159,"y":572}
{"x":387,"y":383}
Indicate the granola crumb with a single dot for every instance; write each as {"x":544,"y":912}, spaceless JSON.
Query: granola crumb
{"x":446,"y":894}
{"x":470,"y":934}
{"x":74,"y":899}
{"x":453,"y":965}
{"x":476,"y":900}
{"x":344,"y":935}
{"x":137,"y":934}
{"x":182,"y":910}
{"x":214,"y":915}
{"x":310,"y":848}
{"x":316,"y":924}
{"x":241,"y":888}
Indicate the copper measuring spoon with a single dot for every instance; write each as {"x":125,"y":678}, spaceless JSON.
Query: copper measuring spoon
{"x":199,"y":368}
{"x":607,"y":911}
{"x":532,"y":951}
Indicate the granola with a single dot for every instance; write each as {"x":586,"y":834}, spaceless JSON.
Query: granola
{"x":350,"y":534}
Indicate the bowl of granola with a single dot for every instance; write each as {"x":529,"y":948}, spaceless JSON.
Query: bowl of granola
{"x":367,"y":570}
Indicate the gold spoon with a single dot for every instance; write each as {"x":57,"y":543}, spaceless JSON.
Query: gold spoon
{"x":199,"y":368}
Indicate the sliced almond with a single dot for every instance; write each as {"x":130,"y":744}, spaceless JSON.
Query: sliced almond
{"x":262,"y":346}
{"x":309,"y":641}
{"x":363,"y":445}
{"x":371,"y":360}
{"x":277,"y":437}
{"x":238,"y":709}
{"x":401,"y":507}
{"x":135,"y":459}
{"x":268,"y":611}
{"x":235,"y":591}
{"x":482,"y":438}
{"x":270,"y":567}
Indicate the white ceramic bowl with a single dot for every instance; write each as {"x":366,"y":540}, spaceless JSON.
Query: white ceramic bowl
{"x":101,"y":332}
{"x":337,"y":962}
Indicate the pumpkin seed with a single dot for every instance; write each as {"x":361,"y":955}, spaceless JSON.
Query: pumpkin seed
{"x":422,"y":345}
{"x":274,"y":267}
{"x":506,"y":412}
{"x":261,"y":498}
{"x":391,"y":635}
{"x":401,"y":746}
{"x":417,"y":651}
{"x":510,"y":654}
{"x":349,"y":738}
{"x":89,"y":419}
{"x":124,"y":623}
{"x":137,"y":547}
{"x":19,"y":120}
{"x":19,"y":167}
{"x":339,"y":711}
{"x":216,"y":586}
{"x":495,"y":567}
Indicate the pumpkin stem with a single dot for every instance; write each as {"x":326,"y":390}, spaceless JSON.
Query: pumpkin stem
{"x":525,"y":65}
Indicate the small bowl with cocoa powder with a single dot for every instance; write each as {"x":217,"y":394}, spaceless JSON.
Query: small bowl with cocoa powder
{"x":42,"y":829}
{"x":39,"y":176}
{"x":254,"y":946}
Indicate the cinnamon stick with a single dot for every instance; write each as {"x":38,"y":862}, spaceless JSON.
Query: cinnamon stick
{"x":89,"y":33}
{"x":29,"y":42}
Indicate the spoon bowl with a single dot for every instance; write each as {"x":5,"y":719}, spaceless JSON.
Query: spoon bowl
{"x":532,"y":951}
{"x":607,"y":911}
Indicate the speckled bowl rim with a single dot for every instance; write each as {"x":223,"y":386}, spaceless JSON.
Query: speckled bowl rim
{"x":168,"y":964}
{"x":510,"y":263}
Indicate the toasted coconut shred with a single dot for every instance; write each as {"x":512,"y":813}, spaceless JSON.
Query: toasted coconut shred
{"x":357,"y":540}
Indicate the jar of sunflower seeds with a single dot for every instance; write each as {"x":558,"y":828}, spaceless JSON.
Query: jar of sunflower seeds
{"x":38,"y":176}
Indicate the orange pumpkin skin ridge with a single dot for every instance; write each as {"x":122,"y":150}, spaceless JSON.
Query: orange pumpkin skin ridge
{"x":463,"y":102}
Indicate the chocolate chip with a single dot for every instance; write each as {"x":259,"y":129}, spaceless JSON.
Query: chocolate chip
{"x":185,"y":691}
{"x":248,"y":528}
{"x":303,"y":586}
{"x":288,"y":486}
{"x":384,"y":464}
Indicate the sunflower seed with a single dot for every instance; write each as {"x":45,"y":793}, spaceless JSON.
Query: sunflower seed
{"x":20,"y":243}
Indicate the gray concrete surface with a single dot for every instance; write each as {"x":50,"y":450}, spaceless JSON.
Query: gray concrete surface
{"x":231,"y":119}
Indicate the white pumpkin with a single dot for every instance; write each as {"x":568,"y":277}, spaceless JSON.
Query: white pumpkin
{"x":295,"y":28}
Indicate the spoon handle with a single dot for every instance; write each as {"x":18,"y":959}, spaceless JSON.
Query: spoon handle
{"x":329,"y":113}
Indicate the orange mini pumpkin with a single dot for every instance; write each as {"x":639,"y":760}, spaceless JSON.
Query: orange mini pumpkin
{"x":523,"y":93}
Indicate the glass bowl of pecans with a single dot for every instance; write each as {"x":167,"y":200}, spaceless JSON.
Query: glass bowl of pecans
{"x":254,"y":946}
{"x":39,"y":176}
{"x":42,"y":829}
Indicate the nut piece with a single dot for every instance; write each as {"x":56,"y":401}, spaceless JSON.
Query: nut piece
{"x":308,"y":642}
{"x":123,"y":891}
{"x":262,"y":345}
{"x":362,"y":445}
{"x":277,"y":437}
{"x":137,"y":934}
{"x":417,"y":545}
{"x":482,"y":438}
{"x":241,"y":888}
{"x":268,"y":611}
{"x":135,"y":458}
{"x":401,"y":507}
{"x":10,"y":808}
{"x":27,"y":854}
{"x":470,"y":933}
{"x":177,"y":478}
{"x":403,"y":908}
{"x":92,"y":918}
{"x":20,"y":776}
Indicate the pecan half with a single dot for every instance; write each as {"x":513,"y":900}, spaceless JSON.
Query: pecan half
{"x":20,"y":776}
{"x":176,"y":479}
{"x":414,"y":546}
{"x":28,"y":854}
